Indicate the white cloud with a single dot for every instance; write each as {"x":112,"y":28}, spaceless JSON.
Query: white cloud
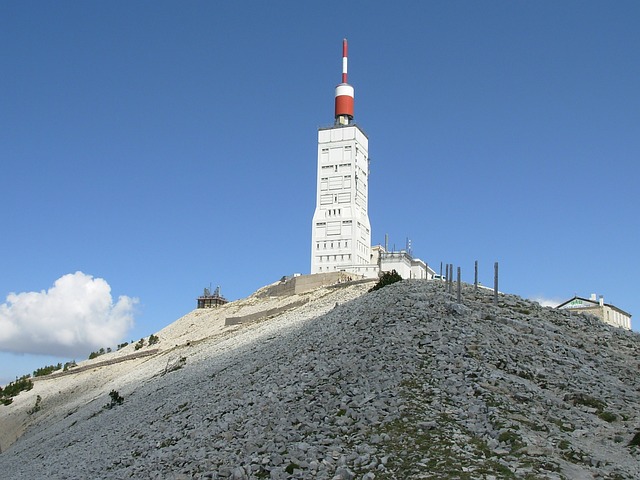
{"x":70,"y":319}
{"x":547,"y":302}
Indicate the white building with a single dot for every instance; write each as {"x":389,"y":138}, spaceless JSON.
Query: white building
{"x":341,"y":231}
{"x":402,"y":262}
{"x":606,"y":312}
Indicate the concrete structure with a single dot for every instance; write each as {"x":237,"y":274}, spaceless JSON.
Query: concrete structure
{"x":341,"y":231}
{"x":304,"y":283}
{"x":606,"y":312}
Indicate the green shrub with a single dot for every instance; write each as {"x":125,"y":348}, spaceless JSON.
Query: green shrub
{"x":36,"y":407}
{"x":153,"y":339}
{"x":635,"y":441}
{"x":140,"y":344}
{"x":69,"y":365}
{"x":386,"y":278}
{"x":608,"y":416}
{"x":176,"y":365}
{"x":116,"y":399}
{"x":586,"y":401}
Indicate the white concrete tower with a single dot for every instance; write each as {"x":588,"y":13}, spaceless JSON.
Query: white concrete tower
{"x":341,"y":232}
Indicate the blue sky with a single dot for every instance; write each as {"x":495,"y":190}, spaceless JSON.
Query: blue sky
{"x":150,"y":149}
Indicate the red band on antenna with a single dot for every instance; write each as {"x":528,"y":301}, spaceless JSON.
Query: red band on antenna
{"x":344,"y":61}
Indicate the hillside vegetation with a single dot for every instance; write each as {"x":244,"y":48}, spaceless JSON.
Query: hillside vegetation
{"x":398,"y":383}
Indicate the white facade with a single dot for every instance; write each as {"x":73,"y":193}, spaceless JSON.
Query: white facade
{"x":341,"y":231}
{"x":420,"y":270}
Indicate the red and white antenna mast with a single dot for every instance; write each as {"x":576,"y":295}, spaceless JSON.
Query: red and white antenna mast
{"x":344,"y":93}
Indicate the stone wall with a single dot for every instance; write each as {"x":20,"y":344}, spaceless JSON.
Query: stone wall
{"x":74,"y":370}
{"x":252,"y":317}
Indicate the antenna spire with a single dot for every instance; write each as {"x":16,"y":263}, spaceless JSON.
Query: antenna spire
{"x":344,"y":93}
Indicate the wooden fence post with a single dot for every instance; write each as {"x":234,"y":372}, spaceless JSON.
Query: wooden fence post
{"x":475,"y":282}
{"x":446,"y":279}
{"x":495,"y":284}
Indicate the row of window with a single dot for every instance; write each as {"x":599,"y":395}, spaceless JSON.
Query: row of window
{"x":328,"y":258}
{"x":330,"y":198}
{"x":341,"y":154}
{"x":331,"y":245}
{"x":338,"y":182}
{"x":340,"y":167}
{"x":344,"y":222}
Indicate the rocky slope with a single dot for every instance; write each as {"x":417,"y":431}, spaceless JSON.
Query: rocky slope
{"x":395,"y":384}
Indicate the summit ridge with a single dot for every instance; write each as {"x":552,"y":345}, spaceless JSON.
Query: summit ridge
{"x":399,"y":383}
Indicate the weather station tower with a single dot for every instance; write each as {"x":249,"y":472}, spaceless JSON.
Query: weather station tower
{"x":341,"y":232}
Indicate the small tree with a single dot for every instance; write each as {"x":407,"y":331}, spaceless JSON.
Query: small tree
{"x":42,"y":371}
{"x":386,"y":278}
{"x":14,"y":388}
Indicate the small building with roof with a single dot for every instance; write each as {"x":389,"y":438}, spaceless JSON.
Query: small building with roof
{"x":604,"y":311}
